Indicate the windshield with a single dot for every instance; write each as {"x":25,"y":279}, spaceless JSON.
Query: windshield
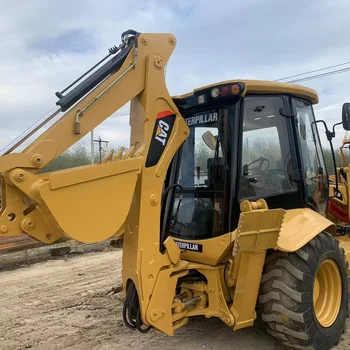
{"x":197,"y":156}
{"x":202,"y":175}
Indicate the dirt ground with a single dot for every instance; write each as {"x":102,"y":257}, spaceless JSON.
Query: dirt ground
{"x":71,"y":303}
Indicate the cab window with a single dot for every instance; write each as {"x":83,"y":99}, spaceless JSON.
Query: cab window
{"x":266,"y":155}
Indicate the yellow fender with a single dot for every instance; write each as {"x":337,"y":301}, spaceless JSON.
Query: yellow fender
{"x":300,"y":226}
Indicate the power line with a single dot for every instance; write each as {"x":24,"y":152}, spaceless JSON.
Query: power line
{"x":317,"y":76}
{"x":311,"y":77}
{"x":314,"y":71}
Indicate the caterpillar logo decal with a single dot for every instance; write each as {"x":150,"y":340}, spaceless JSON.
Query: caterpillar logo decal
{"x":193,"y":247}
{"x":161,"y":134}
{"x":202,"y":118}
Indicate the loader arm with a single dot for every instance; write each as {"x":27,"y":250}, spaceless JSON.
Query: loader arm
{"x":62,"y":204}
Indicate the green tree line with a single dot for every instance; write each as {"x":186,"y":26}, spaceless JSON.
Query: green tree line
{"x":76,"y":156}
{"x":79,"y":155}
{"x":263,"y":147}
{"x":329,"y":159}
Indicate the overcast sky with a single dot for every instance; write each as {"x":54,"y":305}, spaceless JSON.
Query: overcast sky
{"x":47,"y":44}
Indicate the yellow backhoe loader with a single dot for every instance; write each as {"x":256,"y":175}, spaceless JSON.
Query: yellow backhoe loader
{"x":222,"y":198}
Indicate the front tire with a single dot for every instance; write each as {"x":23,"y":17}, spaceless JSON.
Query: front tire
{"x":304,"y":295}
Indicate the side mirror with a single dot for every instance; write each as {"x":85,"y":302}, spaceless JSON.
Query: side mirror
{"x":209,"y":140}
{"x":346,"y":116}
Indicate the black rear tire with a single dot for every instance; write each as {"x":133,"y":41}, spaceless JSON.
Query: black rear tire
{"x":287,"y":295}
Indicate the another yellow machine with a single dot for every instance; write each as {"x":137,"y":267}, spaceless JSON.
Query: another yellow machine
{"x":222,"y":198}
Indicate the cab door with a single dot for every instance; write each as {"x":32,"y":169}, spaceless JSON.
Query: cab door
{"x":268,"y":155}
{"x":311,"y":156}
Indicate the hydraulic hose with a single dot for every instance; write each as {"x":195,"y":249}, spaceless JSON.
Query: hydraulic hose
{"x":132,"y":311}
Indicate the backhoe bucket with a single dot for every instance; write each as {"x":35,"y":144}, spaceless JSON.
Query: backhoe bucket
{"x":98,"y":206}
{"x":87,"y":204}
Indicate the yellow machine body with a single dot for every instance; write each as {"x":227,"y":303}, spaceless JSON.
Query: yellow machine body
{"x":50,"y":206}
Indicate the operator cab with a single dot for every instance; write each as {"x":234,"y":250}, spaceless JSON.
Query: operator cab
{"x":248,"y":140}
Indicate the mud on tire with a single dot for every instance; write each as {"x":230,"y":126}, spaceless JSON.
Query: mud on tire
{"x":287,"y":295}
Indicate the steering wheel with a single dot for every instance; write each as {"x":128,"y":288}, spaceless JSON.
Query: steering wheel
{"x":259,"y":168}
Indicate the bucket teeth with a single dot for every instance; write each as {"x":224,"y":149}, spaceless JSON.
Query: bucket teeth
{"x":108,"y":157}
{"x":132,"y":152}
{"x":118,"y":155}
{"x":139,"y":152}
{"x":129,"y":153}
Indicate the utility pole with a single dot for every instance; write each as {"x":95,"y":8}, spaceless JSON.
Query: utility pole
{"x":92,"y":147}
{"x":100,"y":146}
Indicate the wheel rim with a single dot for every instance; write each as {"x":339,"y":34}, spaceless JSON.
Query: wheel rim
{"x":327,"y":293}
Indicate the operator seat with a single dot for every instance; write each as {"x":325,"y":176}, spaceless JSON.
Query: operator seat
{"x":216,"y":182}
{"x":216,"y":174}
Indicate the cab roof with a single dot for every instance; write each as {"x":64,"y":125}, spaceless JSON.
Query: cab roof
{"x":263,"y":87}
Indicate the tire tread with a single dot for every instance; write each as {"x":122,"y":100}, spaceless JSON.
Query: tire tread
{"x":286,"y":294}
